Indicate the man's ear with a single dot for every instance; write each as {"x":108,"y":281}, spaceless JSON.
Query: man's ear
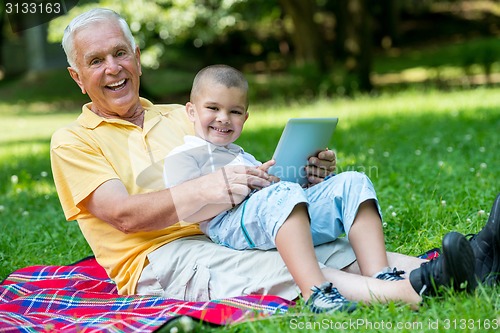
{"x":138,"y":58}
{"x":191,"y":112}
{"x":76,"y":77}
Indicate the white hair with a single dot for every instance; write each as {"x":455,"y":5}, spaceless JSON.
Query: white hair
{"x":85,"y":19}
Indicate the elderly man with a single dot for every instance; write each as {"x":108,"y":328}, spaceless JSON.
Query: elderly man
{"x":107,"y":171}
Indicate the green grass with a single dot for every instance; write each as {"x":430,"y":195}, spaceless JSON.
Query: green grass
{"x":32,"y":229}
{"x":419,"y":149}
{"x":432,"y":156}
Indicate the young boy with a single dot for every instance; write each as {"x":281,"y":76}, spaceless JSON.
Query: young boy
{"x":283,"y":215}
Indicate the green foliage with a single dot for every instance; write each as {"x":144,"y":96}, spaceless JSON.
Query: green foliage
{"x":469,"y":56}
{"x":257,"y":35}
{"x":160,"y":23}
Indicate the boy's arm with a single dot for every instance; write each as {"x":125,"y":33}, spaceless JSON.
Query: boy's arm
{"x":112,"y":203}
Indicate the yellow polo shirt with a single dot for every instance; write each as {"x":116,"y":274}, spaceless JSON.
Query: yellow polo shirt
{"x":93,"y":150}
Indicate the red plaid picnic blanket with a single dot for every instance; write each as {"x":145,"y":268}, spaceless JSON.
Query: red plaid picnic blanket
{"x":81,"y":298}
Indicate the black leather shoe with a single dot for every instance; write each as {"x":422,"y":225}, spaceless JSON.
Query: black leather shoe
{"x":486,"y":247}
{"x":453,"y":268}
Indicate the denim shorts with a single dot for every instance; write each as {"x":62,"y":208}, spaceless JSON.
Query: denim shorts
{"x":332,"y":207}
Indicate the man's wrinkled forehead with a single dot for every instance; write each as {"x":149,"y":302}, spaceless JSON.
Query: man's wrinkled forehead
{"x":90,"y":43}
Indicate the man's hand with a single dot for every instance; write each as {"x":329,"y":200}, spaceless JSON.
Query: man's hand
{"x":321,"y":166}
{"x":232,"y":184}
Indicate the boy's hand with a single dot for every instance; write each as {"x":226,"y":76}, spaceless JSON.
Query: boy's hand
{"x":321,"y":166}
{"x":265,"y":167}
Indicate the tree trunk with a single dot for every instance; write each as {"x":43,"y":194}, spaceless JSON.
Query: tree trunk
{"x":359,"y":43}
{"x":390,"y":24}
{"x":306,"y":36}
{"x":341,"y":21}
{"x":35,"y":38}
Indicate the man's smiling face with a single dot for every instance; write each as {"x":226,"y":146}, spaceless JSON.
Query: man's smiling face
{"x":108,"y":69}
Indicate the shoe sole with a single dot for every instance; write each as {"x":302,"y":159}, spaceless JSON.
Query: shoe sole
{"x":459,"y":261}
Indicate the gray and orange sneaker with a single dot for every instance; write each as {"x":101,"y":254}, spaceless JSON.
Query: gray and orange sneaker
{"x":327,"y":299}
{"x":389,"y":274}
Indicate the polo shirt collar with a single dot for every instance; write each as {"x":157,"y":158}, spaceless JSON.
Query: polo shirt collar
{"x":91,"y":120}
{"x":197,"y":141}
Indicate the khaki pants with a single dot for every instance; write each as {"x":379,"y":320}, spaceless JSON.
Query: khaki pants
{"x":196,"y":269}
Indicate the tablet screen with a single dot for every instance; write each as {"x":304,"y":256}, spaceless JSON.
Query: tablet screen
{"x":301,"y":139}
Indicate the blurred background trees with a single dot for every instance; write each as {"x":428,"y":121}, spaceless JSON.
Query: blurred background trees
{"x":309,"y":47}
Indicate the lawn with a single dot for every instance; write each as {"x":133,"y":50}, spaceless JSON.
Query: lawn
{"x":433,"y":157}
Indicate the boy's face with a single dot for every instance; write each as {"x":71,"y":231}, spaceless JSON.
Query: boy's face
{"x":218,"y":113}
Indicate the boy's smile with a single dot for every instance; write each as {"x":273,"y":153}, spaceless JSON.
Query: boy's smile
{"x":218,"y":113}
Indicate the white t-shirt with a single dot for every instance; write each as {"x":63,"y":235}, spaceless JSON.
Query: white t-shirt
{"x":197,"y":157}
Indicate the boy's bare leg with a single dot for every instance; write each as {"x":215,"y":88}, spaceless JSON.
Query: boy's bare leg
{"x":367,"y":239}
{"x":367,"y":289}
{"x":294,"y":243}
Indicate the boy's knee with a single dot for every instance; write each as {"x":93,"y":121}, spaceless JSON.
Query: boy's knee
{"x":351,"y":181}
{"x":351,"y":176}
{"x":360,"y":177}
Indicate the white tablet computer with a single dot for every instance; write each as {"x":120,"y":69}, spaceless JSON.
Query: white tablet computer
{"x":301,"y":139}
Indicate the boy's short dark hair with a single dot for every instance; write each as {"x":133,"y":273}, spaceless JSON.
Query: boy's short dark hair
{"x":222,"y":74}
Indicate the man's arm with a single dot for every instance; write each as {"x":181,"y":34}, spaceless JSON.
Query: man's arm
{"x":206,"y":213}
{"x":181,"y":165}
{"x":111,"y":202}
